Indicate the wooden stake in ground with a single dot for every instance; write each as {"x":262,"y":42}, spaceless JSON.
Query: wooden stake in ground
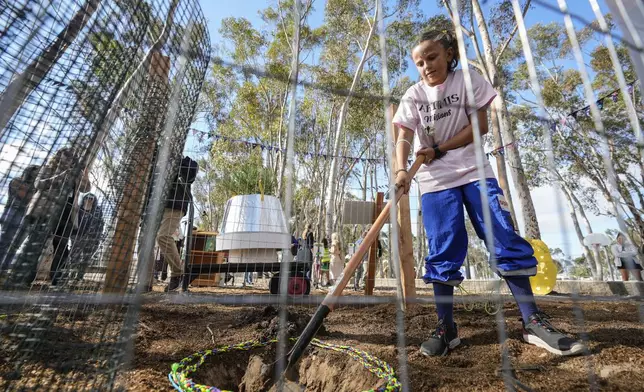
{"x":136,"y":179}
{"x":370,"y":281}
{"x":406,"y":246}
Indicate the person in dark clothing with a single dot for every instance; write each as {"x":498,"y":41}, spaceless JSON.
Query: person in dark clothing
{"x":63,"y":232}
{"x":87,"y":237}
{"x":20,"y":193}
{"x":294,"y":246}
{"x":176,"y":207}
{"x":306,"y":246}
{"x":60,"y":241}
{"x":50,"y":211}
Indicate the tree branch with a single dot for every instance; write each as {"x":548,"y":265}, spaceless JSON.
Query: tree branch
{"x":398,"y":9}
{"x":526,"y":99}
{"x":279,"y":9}
{"x":467,"y":32}
{"x":309,"y":5}
{"x":477,"y":65}
{"x":477,"y":50}
{"x":514,"y":31}
{"x":368,"y":20}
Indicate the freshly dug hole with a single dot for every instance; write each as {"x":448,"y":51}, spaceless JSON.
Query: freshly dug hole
{"x":318,"y":371}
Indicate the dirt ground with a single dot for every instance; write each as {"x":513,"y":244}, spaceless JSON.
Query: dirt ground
{"x":615,"y":333}
{"x":82,"y":341}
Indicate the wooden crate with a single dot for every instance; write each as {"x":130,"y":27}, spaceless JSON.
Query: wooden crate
{"x":203,"y":252}
{"x":198,"y":257}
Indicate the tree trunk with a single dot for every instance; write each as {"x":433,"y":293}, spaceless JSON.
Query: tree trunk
{"x":288,"y":170}
{"x":593,"y":258}
{"x":500,"y":164}
{"x":635,"y":187}
{"x":531,"y":229}
{"x":331,"y":189}
{"x":609,"y":263}
{"x":136,"y":173}
{"x":281,"y":158}
{"x":318,"y":221}
{"x":325,"y":172}
{"x":584,"y":217}
{"x":372,"y":175}
{"x":375,"y":171}
{"x":365,"y":171}
{"x":625,"y":192}
{"x":610,"y":188}
{"x":20,"y":87}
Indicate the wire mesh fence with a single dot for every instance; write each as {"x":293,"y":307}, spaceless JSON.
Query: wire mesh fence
{"x":161,"y":200}
{"x":93,"y":93}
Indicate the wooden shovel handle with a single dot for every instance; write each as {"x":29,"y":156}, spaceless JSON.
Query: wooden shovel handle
{"x":331,"y":298}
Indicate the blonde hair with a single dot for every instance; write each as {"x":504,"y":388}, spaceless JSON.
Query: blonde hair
{"x":335,"y":241}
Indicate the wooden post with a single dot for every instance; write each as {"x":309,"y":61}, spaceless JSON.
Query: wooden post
{"x":135,"y":186}
{"x":370,"y":282}
{"x":406,"y":246}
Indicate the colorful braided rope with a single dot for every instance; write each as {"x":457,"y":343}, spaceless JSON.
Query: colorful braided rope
{"x":180,"y":379}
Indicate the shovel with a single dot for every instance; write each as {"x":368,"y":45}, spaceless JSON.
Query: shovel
{"x":330,"y":301}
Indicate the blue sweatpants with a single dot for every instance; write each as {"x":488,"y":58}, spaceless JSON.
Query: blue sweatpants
{"x":444,"y":221}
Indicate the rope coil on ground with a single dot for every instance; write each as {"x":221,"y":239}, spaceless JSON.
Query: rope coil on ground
{"x":180,"y":380}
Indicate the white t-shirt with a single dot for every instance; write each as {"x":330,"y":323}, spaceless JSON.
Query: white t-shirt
{"x":436,"y":114}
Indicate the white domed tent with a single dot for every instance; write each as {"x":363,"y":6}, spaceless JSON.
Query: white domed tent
{"x":252,"y":232}
{"x":253,"y":228}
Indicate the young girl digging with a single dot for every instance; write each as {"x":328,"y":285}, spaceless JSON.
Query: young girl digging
{"x":436,"y":110}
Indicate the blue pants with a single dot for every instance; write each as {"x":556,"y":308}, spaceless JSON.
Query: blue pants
{"x":444,"y":221}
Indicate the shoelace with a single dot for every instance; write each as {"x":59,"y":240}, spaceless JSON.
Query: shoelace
{"x":440,"y":331}
{"x":544,"y":320}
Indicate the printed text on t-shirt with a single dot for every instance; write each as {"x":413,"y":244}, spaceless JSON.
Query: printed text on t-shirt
{"x":427,"y":107}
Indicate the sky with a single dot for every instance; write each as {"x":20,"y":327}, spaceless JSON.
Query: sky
{"x":552,"y":213}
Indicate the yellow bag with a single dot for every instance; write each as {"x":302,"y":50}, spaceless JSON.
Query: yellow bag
{"x":546,"y":278}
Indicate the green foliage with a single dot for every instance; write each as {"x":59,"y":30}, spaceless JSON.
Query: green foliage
{"x":501,"y":18}
{"x":116,"y":55}
{"x":436,"y":22}
{"x":577,"y":144}
{"x":248,"y":43}
{"x":602,"y":64}
{"x":580,"y":268}
{"x":561,"y":260}
{"x":249,"y":177}
{"x":247,"y":97}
